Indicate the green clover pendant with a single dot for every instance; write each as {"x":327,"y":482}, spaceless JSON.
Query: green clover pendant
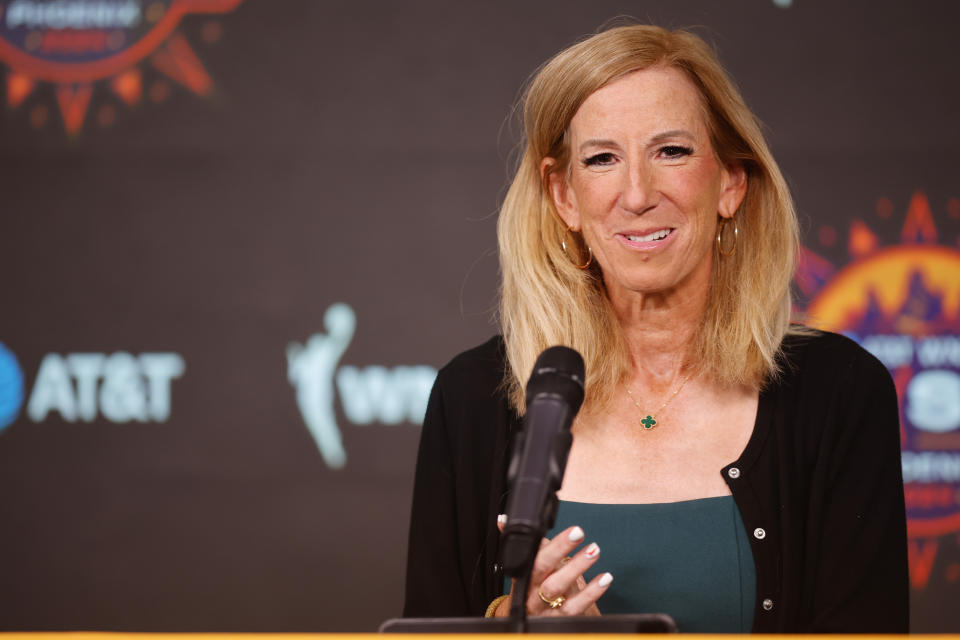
{"x":648,"y":423}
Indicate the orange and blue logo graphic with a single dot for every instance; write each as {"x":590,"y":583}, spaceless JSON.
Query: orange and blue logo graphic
{"x":76,"y":44}
{"x":902,"y":303}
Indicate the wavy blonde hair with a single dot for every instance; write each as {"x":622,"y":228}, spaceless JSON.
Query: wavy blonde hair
{"x":547,"y":300}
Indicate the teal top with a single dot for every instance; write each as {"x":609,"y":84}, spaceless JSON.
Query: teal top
{"x":689,"y":559}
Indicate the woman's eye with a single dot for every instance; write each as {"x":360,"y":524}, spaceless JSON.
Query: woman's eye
{"x":599,"y":159}
{"x":675,"y":151}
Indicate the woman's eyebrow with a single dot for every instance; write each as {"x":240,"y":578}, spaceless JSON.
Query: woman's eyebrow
{"x":673,"y":133}
{"x":598,"y":142}
{"x":660,"y":137}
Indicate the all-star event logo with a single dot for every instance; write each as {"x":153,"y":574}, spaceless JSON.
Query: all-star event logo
{"x":902,"y":303}
{"x":78,"y":44}
{"x":368,"y":395}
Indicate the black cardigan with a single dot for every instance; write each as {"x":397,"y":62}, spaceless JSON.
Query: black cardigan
{"x":818,"y":485}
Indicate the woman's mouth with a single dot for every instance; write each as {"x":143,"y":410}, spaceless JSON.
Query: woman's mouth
{"x":650,"y":237}
{"x":646,"y":240}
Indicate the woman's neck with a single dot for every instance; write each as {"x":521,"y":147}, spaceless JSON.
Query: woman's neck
{"x":658,"y":329}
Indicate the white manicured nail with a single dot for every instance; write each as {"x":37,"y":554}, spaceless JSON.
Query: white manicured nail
{"x":576,"y":535}
{"x":592,"y":550}
{"x":502,"y":518}
{"x":605,"y":579}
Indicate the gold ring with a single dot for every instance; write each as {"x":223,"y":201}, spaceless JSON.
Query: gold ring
{"x":555,"y":603}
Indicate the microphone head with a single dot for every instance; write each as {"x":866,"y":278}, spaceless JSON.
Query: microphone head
{"x":558,"y":371}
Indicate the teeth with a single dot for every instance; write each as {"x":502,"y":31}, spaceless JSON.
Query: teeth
{"x":656,"y":235}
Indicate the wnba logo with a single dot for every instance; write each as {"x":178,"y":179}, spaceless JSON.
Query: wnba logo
{"x":368,"y":395}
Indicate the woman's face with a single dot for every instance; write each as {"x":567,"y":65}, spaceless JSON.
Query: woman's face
{"x":644,"y":185}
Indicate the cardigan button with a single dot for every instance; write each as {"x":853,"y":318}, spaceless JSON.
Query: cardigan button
{"x":767,"y":604}
{"x":733,"y":472}
{"x":760,"y":534}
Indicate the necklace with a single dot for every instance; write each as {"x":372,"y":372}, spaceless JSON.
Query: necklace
{"x":650,"y":421}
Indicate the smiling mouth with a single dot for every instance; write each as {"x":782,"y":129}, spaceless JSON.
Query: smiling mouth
{"x":650,"y":237}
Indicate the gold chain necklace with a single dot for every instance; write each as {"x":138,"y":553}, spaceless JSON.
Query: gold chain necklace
{"x":650,"y":421}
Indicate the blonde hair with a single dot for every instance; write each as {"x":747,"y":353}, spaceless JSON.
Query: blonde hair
{"x":547,"y":300}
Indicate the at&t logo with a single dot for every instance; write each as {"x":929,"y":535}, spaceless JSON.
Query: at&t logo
{"x":11,"y":387}
{"x":80,"y":387}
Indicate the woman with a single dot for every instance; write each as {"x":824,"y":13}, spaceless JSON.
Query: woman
{"x":738,"y":472}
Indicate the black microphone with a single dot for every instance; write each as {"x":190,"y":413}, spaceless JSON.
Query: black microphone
{"x":554,"y":395}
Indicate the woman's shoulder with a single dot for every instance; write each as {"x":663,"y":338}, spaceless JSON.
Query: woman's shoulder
{"x":827,"y":357}
{"x":490,"y":354}
{"x":477,"y":371}
{"x":469,"y":399}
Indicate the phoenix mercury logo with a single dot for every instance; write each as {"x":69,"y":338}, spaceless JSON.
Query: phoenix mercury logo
{"x":902,"y":303}
{"x":368,"y":395}
{"x":75,"y":44}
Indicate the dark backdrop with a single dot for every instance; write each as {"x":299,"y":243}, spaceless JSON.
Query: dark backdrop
{"x":349,"y":152}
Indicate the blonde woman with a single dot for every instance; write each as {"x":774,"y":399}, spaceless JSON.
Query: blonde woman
{"x":728,"y":468}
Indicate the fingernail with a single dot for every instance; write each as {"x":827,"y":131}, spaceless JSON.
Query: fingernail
{"x":605,"y":579}
{"x":576,"y":535}
{"x":502,"y":518}
{"x":592,"y":550}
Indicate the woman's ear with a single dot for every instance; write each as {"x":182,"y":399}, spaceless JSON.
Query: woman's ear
{"x":733,"y":189}
{"x":563,"y":197}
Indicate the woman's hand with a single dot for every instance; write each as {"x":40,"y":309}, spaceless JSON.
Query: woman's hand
{"x":556,"y":573}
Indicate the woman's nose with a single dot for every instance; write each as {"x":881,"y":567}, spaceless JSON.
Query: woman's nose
{"x":639,"y":191}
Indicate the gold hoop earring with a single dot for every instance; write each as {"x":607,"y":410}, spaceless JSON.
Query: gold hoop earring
{"x":563,"y":245}
{"x":736,"y":231}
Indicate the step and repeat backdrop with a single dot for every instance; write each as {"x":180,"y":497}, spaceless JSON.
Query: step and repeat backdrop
{"x":239,"y":237}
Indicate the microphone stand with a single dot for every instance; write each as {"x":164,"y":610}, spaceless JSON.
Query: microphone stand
{"x":521,"y":540}
{"x":518,"y":603}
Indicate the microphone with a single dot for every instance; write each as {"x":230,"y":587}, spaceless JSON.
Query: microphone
{"x":554,"y":395}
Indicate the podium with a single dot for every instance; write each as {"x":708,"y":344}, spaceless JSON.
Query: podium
{"x":625,"y":623}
